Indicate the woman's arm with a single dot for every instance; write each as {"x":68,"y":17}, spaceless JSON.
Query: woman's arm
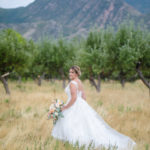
{"x":73,"y":91}
{"x":83,"y":95}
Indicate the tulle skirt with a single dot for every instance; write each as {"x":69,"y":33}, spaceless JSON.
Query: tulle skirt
{"x":83,"y":125}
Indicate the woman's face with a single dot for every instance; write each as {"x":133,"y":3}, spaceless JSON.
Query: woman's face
{"x":72,"y":74}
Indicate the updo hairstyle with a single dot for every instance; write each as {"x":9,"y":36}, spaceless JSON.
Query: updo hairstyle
{"x":76,"y":69}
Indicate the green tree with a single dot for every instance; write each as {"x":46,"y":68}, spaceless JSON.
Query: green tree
{"x":128,"y":54}
{"x":122,"y":55}
{"x":14,"y":54}
{"x":92,"y":58}
{"x":54,"y":58}
{"x":143,"y":63}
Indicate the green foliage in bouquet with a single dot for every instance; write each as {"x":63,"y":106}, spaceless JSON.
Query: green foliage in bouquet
{"x":55,"y":110}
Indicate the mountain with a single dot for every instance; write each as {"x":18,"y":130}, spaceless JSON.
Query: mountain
{"x":67,"y":17}
{"x":147,"y":20}
{"x":141,"y":5}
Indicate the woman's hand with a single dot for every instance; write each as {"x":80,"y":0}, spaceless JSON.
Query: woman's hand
{"x":63,"y":108}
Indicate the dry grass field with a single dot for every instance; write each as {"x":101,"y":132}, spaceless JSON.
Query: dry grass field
{"x":23,"y":114}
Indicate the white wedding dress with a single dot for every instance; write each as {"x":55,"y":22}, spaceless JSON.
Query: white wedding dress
{"x":82,"y":124}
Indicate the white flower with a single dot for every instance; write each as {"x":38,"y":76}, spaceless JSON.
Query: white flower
{"x":59,"y":101}
{"x":57,"y":105}
{"x":52,"y":106}
{"x":56,"y":113}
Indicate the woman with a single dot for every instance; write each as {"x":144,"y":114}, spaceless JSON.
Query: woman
{"x":82,"y":124}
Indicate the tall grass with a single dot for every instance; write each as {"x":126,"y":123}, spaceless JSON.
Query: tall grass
{"x":23,"y":114}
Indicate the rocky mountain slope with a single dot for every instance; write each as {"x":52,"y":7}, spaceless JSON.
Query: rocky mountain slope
{"x":141,"y":5}
{"x":68,"y":17}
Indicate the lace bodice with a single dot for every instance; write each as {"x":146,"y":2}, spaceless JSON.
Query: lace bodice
{"x":67,"y":90}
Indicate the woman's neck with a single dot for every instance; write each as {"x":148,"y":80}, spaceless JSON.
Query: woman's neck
{"x":75,"y":78}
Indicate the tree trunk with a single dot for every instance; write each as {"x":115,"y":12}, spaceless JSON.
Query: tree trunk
{"x":39,"y":80}
{"x":122,"y":81}
{"x":19,"y":79}
{"x":99,"y":83}
{"x":122,"y":78}
{"x":143,"y":79}
{"x":141,"y":75}
{"x":63,"y":78}
{"x":64,"y":83}
{"x":5,"y":84}
{"x":91,"y":82}
{"x":97,"y":86}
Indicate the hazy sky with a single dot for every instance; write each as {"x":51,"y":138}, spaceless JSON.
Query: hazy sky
{"x":14,"y":3}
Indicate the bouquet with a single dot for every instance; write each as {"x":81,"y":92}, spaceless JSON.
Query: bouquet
{"x":55,"y":110}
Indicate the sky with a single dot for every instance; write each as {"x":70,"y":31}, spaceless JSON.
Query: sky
{"x":14,"y":3}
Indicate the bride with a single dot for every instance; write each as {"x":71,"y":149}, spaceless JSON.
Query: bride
{"x":83,"y":125}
